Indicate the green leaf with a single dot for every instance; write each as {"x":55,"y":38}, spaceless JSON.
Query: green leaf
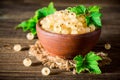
{"x":80,"y":69}
{"x":92,"y":62}
{"x":33,"y":30}
{"x":94,"y":69}
{"x":93,"y":9}
{"x":91,"y":13}
{"x":40,"y":13}
{"x":25,"y":28}
{"x":23,"y":25}
{"x":79,"y":63}
{"x":88,"y":20}
{"x":95,"y":14}
{"x":92,"y":59}
{"x":91,"y":56}
{"x":78,"y":58}
{"x":30,"y":24}
{"x":96,"y":19}
{"x":51,"y":8}
{"x":88,"y":63}
{"x":81,"y":9}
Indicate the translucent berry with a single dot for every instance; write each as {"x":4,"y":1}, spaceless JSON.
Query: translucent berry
{"x":45,"y":71}
{"x":17,"y":47}
{"x":27,"y":62}
{"x":107,"y":46}
{"x":30,"y":36}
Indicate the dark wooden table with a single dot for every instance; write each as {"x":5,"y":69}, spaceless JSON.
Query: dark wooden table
{"x":13,"y":12}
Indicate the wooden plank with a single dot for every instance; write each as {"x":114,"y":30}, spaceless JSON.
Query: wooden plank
{"x":37,"y":76}
{"x":11,"y":67}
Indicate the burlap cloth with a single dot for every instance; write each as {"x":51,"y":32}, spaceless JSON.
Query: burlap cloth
{"x":43,"y":56}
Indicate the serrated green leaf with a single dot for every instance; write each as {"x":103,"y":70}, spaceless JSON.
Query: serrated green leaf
{"x":32,"y":20}
{"x":91,"y":56}
{"x":51,"y":8}
{"x":81,"y":9}
{"x":97,"y":21}
{"x":79,"y":63}
{"x":95,"y":14}
{"x":88,"y":63}
{"x":93,"y":9}
{"x":78,"y":58}
{"x":40,"y":13}
{"x":94,"y":69}
{"x":92,"y":59}
{"x":94,"y":18}
{"x":88,"y":20}
{"x":33,"y":31}
{"x":30,"y":24}
{"x":92,"y":62}
{"x":25,"y":29}
{"x":22,"y":24}
{"x":80,"y":69}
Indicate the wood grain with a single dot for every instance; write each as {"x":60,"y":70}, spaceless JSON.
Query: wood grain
{"x":11,"y":67}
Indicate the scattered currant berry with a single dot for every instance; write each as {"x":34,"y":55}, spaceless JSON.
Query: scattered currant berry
{"x":107,"y":46}
{"x":45,"y":71}
{"x":27,"y":62}
{"x":30,"y":36}
{"x":17,"y":47}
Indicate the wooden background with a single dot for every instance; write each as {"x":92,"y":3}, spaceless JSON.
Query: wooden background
{"x":12,"y":12}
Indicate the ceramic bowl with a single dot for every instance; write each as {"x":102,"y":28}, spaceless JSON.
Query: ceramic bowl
{"x":67,"y":45}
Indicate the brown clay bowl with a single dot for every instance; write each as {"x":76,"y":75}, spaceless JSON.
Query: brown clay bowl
{"x":67,"y":45}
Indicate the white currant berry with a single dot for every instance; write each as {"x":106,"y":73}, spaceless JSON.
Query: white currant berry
{"x":30,"y":36}
{"x":92,"y":27}
{"x":107,"y":46}
{"x":45,"y":71}
{"x":17,"y":47}
{"x":27,"y":62}
{"x":74,"y":32}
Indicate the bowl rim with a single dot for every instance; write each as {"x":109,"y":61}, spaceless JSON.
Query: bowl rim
{"x":48,"y":32}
